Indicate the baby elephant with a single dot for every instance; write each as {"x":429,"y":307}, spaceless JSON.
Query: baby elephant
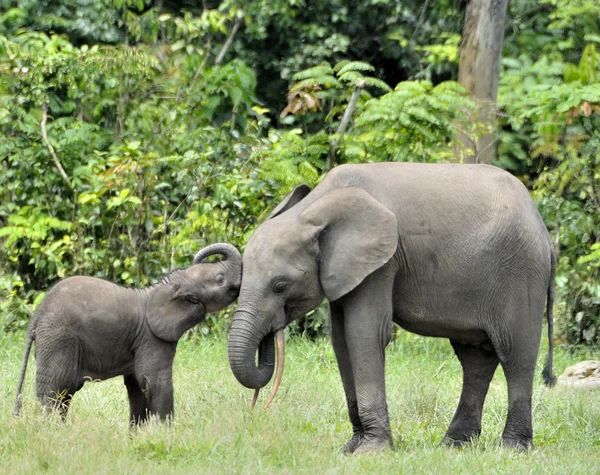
{"x":91,"y":329}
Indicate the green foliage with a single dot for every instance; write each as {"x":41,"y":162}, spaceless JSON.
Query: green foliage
{"x":558,"y":105}
{"x":549,"y":93}
{"x":416,"y":121}
{"x":325,"y":88}
{"x":163,"y":150}
{"x":291,"y":158}
{"x":156,"y":144}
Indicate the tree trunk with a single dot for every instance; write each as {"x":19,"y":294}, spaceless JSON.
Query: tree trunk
{"x":479,"y":70}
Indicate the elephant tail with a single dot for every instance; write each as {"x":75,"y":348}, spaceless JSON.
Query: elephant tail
{"x":549,"y":378}
{"x":30,"y":339}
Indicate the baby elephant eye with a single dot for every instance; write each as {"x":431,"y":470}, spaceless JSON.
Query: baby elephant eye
{"x":219,"y":278}
{"x":280,"y":287}
{"x":193,"y":299}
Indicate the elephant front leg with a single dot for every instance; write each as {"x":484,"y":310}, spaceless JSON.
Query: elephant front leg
{"x":138,"y":411}
{"x":153,"y":369}
{"x":338,"y":339}
{"x":159,"y":395}
{"x":367,"y":323}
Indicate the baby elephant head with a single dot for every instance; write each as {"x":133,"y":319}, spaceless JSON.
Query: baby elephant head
{"x":183,"y":298}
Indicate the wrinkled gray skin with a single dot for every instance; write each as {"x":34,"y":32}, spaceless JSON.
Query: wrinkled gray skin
{"x":90,"y":329}
{"x":452,"y":251}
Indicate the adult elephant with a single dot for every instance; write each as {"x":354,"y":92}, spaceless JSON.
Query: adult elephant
{"x":445,"y":250}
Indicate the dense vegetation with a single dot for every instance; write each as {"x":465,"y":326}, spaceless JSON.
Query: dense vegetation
{"x":134,"y":132}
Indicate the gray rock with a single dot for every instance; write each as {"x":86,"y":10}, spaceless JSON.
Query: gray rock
{"x":583,"y":375}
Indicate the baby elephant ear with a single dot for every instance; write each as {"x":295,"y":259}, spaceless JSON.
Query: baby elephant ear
{"x":169,"y":314}
{"x":291,"y":200}
{"x":356,"y":235}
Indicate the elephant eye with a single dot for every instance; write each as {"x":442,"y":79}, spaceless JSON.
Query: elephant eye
{"x":219,"y":278}
{"x":280,"y":287}
{"x":193,"y":299}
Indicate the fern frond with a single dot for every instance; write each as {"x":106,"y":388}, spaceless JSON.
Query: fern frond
{"x":413,"y":86}
{"x":316,"y":150}
{"x":355,"y":66}
{"x":372,"y":116}
{"x":124,"y":58}
{"x":378,"y":83}
{"x":341,"y":64}
{"x":325,"y":80}
{"x":452,"y":86}
{"x":284,"y":171}
{"x":424,"y":115}
{"x":322,"y":69}
{"x":350,"y":76}
{"x":308,"y":171}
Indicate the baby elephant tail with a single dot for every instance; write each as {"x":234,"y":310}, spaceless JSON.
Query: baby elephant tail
{"x":30,"y":338}
{"x":549,"y":378}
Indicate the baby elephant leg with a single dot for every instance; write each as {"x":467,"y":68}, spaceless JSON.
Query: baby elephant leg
{"x":58,"y":375}
{"x":153,"y":371}
{"x":138,"y":410}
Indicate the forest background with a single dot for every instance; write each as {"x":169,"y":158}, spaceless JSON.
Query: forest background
{"x":134,"y":132}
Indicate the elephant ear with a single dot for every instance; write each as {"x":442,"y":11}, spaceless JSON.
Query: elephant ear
{"x":291,"y":200}
{"x":169,"y":314}
{"x":356,"y":235}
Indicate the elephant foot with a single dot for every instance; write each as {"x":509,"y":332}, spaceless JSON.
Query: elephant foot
{"x":455,"y":443}
{"x":372,"y":446}
{"x":459,"y":441}
{"x":522,"y":445}
{"x":350,"y":446}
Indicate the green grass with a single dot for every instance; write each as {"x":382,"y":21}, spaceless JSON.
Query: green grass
{"x":214,"y":432}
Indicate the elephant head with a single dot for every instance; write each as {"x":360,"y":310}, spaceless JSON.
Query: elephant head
{"x":312,"y":246}
{"x":182,"y":299}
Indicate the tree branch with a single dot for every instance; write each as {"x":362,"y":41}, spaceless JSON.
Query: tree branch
{"x":420,"y":21}
{"x":233,"y":118}
{"x":201,"y":67}
{"x":49,"y":146}
{"x":229,"y":41}
{"x":358,"y":87}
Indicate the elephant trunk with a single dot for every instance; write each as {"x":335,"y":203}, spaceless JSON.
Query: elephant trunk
{"x":229,"y":252}
{"x":246,"y":337}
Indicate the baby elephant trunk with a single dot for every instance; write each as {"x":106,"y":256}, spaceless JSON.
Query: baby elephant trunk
{"x":229,"y":252}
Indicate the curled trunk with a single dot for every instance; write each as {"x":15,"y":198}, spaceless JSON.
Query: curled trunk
{"x":247,"y":336}
{"x":226,"y":250}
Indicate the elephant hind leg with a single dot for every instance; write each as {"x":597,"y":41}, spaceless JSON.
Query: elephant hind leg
{"x":59,"y":398}
{"x":518,"y":356}
{"x":58,"y":375}
{"x":479,"y":364}
{"x":519,"y":370}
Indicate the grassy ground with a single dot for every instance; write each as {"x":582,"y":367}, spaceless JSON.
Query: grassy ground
{"x":302,"y":431}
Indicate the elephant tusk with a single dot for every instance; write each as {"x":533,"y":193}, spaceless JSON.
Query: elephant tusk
{"x":254,"y":399}
{"x":279,"y":338}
